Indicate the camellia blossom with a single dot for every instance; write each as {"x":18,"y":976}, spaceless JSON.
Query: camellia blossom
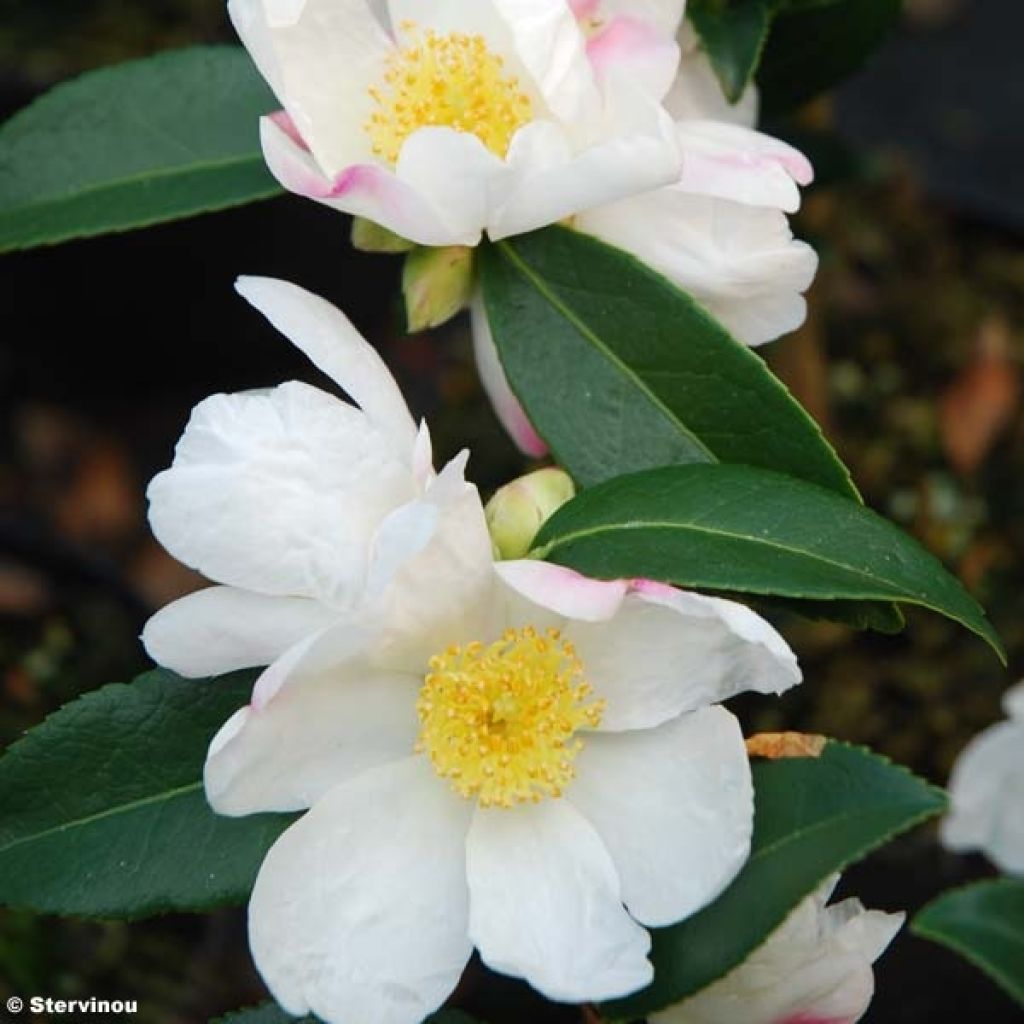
{"x":282,"y":496}
{"x":720,"y":230}
{"x":814,"y":969}
{"x":503,"y":755}
{"x":986,"y":791}
{"x":442,"y":119}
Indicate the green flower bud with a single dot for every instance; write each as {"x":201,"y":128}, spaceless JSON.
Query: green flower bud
{"x":370,"y":237}
{"x":519,"y":509}
{"x":437,"y":284}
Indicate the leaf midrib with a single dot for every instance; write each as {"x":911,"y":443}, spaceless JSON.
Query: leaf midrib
{"x":110,"y":812}
{"x":134,"y":179}
{"x":564,"y":310}
{"x":545,"y":550}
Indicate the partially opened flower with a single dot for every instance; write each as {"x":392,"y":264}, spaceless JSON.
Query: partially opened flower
{"x":440,"y":120}
{"x":986,"y":791}
{"x":720,"y":230}
{"x":814,"y":969}
{"x":280,"y":496}
{"x":512,"y":757}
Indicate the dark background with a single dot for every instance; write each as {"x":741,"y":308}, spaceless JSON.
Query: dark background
{"x":911,"y":360}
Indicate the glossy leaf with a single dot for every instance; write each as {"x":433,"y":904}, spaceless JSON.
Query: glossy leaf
{"x":152,"y":140}
{"x":814,"y":46}
{"x":735,"y":528}
{"x":102,"y":811}
{"x":733,"y":34}
{"x":984,"y":923}
{"x":813,"y":816}
{"x":619,"y":370}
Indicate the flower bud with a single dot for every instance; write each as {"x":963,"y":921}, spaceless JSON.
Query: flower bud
{"x":519,"y":509}
{"x":437,"y":284}
{"x":370,"y":237}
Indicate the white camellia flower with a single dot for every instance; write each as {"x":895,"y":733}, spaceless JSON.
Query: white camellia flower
{"x":986,"y":791}
{"x":507,"y":756}
{"x":281,"y":497}
{"x":442,"y":119}
{"x":720,"y":230}
{"x":814,"y":969}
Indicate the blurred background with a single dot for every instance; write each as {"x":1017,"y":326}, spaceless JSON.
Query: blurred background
{"x":911,"y":360}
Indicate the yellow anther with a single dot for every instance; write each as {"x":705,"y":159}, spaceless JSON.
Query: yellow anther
{"x":451,"y":81}
{"x":499,"y":721}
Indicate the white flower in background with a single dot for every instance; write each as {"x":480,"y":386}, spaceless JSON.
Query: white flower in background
{"x":720,"y":230}
{"x":986,"y":791}
{"x":282,"y":495}
{"x":507,"y":756}
{"x":441,"y":119}
{"x":814,"y":969}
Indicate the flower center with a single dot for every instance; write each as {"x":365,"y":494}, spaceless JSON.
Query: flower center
{"x":453,"y":81}
{"x":498,"y":721}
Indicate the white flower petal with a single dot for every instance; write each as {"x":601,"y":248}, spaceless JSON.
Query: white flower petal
{"x":433,"y":569}
{"x":665,"y":15}
{"x":563,"y":591}
{"x":324,"y":334}
{"x":1013,"y":702}
{"x":221,"y":629}
{"x":667,"y":651}
{"x":697,"y":94}
{"x":740,"y":262}
{"x":316,"y":728}
{"x":359,"y":911}
{"x":545,"y":904}
{"x":632,"y":47}
{"x":675,"y":808}
{"x":362,"y":189}
{"x":459,"y":174}
{"x":552,"y":181}
{"x":986,"y":791}
{"x":727,"y":161}
{"x":279,"y":492}
{"x":327,"y":58}
{"x":492,"y":376}
{"x":814,"y":969}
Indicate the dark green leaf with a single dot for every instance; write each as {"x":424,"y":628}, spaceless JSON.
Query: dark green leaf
{"x":733,"y":33}
{"x":813,"y":817}
{"x":984,"y":923}
{"x":653,"y":379}
{"x":149,"y":141}
{"x":735,"y":528}
{"x":814,"y":46}
{"x":271,"y":1013}
{"x":102,"y":811}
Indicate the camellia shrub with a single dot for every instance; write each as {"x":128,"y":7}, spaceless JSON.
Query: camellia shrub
{"x":406,"y":727}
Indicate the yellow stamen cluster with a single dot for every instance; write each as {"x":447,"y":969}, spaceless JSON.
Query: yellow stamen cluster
{"x":499,"y":720}
{"x":449,"y":80}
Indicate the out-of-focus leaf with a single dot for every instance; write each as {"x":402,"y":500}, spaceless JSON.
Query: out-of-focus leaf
{"x":148,"y":141}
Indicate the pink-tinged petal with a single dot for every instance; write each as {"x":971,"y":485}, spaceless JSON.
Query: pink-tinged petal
{"x":333,"y":345}
{"x":563,"y":591}
{"x":730,"y":162}
{"x":665,"y":16}
{"x":364,"y":190}
{"x":636,"y":49}
{"x":360,"y":910}
{"x":282,"y":119}
{"x":584,"y":8}
{"x":222,"y":629}
{"x":492,"y":376}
